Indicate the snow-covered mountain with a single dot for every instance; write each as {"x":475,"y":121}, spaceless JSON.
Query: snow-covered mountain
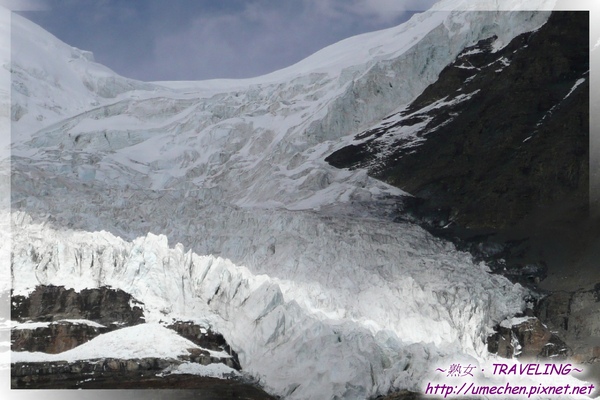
{"x":257,"y":142}
{"x":212,"y":201}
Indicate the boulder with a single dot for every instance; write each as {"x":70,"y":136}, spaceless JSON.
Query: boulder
{"x":105,"y":305}
{"x":576,"y":317}
{"x":55,"y":338}
{"x":526,"y":338}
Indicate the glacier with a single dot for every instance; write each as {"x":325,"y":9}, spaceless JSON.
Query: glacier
{"x":211,"y":201}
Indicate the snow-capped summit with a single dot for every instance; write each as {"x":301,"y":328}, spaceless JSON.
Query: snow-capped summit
{"x":258,"y":142}
{"x":52,"y":80}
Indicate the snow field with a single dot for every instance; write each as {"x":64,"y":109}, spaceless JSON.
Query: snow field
{"x":139,"y":341}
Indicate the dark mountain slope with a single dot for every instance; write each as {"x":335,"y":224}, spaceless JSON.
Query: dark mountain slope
{"x":496,"y":153}
{"x":499,"y":137}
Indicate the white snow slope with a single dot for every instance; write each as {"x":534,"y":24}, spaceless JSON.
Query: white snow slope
{"x":211,"y":201}
{"x":140,"y":341}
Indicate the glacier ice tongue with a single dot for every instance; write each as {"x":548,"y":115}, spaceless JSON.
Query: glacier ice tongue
{"x":362,"y":308}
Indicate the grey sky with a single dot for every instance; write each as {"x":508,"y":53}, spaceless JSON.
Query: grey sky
{"x":203,"y":39}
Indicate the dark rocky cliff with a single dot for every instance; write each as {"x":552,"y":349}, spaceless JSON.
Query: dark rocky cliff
{"x":104,"y":305}
{"x":500,"y":135}
{"x":107,"y":309}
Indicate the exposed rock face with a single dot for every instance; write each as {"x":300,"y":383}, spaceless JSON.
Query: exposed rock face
{"x":128,"y":374}
{"x":116,"y":309}
{"x":55,"y":338}
{"x":499,"y":135}
{"x":570,"y":316}
{"x":207,"y":339}
{"x":401,"y":395}
{"x":528,"y":340}
{"x":203,"y":357}
{"x":26,"y":374}
{"x":110,"y":308}
{"x":105,"y":306}
{"x":576,"y":317}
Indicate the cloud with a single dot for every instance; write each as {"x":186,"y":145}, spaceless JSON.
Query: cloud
{"x":251,"y":41}
{"x":203,"y":39}
{"x":370,"y":11}
{"x":24,"y":5}
{"x":388,"y":10}
{"x":225,"y":46}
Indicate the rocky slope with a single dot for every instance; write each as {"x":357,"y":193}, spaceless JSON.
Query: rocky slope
{"x":496,"y":152}
{"x":54,"y":320}
{"x":497,"y":149}
{"x":500,"y":134}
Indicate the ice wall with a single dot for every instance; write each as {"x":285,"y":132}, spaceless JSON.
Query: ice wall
{"x":334,"y":308}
